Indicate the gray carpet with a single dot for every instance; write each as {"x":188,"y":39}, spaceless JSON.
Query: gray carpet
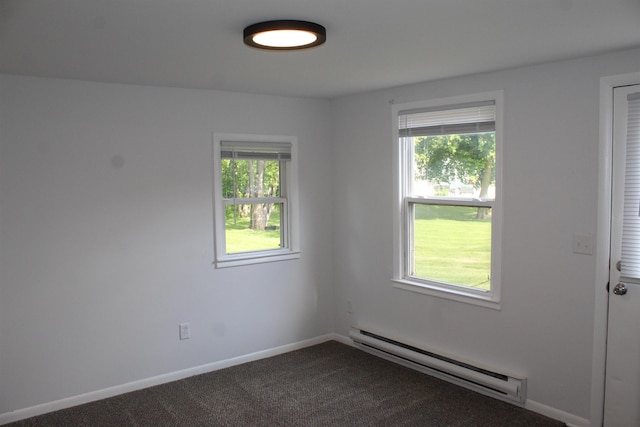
{"x":330,"y":384}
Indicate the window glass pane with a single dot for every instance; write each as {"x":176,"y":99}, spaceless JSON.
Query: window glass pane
{"x":458,"y":165}
{"x":253,"y":227}
{"x":250,"y":178}
{"x":452,"y":244}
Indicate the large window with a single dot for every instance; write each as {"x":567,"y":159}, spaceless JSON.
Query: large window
{"x":255,"y":199}
{"x":448,"y":185}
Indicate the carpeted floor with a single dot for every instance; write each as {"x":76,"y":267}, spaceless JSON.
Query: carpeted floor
{"x":330,"y":384}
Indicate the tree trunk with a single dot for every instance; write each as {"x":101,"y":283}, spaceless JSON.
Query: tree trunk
{"x":258,"y":216}
{"x":485,"y":182}
{"x":258,"y":211}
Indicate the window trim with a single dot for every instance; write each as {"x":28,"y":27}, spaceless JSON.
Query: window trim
{"x":289,"y":200}
{"x":401,"y":235}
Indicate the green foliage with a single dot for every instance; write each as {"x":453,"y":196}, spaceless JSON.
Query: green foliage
{"x":469,"y":158}
{"x":250,"y":178}
{"x":235,"y":177}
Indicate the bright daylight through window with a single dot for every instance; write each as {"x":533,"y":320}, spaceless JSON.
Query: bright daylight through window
{"x":254,"y":199}
{"x":447,"y":190}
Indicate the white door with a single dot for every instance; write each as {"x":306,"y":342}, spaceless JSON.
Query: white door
{"x":622,"y":385}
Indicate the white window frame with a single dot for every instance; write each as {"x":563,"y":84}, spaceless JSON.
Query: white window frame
{"x":402,"y":224}
{"x":289,"y":187}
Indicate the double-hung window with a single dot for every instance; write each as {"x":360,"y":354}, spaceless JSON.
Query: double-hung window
{"x":255,"y":202}
{"x":447,"y":216}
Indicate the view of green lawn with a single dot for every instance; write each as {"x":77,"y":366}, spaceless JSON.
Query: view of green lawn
{"x":240,"y":238}
{"x":451,"y":245}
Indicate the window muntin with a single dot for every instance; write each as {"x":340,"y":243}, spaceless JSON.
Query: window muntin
{"x":254,"y":199}
{"x":447,"y":191}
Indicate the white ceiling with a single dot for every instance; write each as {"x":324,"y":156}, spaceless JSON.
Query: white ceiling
{"x":371,"y":44}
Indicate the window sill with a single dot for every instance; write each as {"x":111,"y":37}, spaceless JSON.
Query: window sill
{"x":255,"y":258}
{"x":460,"y":295}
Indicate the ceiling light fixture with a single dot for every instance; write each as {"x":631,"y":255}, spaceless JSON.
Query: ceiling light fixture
{"x":284,"y":35}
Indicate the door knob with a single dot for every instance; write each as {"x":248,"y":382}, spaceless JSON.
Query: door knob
{"x":620,"y":289}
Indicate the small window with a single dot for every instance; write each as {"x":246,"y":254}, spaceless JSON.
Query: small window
{"x":255,"y":199}
{"x":447,"y":231}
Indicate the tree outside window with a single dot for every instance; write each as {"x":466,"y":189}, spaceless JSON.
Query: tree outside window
{"x":447,"y":189}
{"x":255,"y":199}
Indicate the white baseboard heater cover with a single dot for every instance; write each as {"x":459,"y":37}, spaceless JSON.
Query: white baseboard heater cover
{"x":494,"y":384}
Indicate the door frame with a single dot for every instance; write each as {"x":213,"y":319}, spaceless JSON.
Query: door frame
{"x":603,"y":240}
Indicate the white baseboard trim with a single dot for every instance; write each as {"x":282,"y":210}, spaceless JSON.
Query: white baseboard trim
{"x":20,"y":414}
{"x":343,"y":339}
{"x":68,"y":402}
{"x":570,"y":419}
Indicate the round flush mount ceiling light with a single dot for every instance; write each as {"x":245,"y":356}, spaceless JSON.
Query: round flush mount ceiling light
{"x":284,"y":35}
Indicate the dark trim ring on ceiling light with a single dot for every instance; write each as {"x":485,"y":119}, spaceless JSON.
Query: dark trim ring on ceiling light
{"x":289,"y":35}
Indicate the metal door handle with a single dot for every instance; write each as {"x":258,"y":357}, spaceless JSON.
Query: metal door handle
{"x":620,"y":289}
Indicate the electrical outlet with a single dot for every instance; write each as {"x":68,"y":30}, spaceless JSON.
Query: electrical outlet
{"x":582,"y":244}
{"x":185,"y":334}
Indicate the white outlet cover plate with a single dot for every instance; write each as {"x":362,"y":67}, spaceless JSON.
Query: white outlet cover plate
{"x":582,"y":244}
{"x":184,"y":331}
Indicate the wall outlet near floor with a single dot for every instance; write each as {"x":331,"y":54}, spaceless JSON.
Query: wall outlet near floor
{"x":185,"y":334}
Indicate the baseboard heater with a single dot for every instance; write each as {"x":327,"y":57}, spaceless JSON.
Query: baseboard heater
{"x":495,"y":384}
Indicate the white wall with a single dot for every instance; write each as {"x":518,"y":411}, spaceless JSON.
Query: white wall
{"x":106,"y":237}
{"x":106,"y":240}
{"x":545,"y":327}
